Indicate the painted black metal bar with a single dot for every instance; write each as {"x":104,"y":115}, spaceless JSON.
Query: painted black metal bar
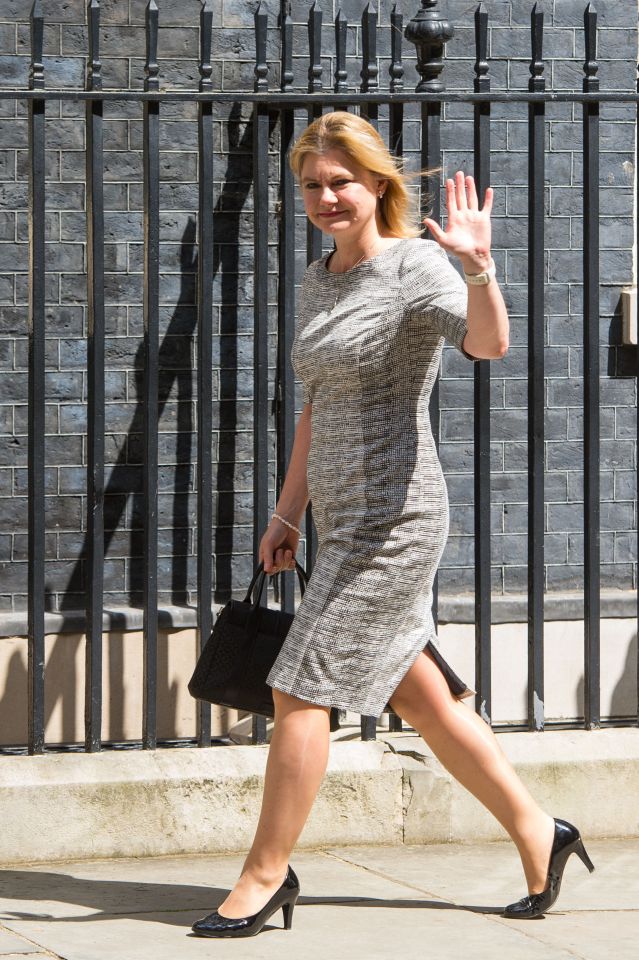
{"x":481,"y":373}
{"x":636,"y":387}
{"x":396,"y":85}
{"x":260,"y":313}
{"x":341,"y":75}
{"x":151,"y":157}
{"x":36,"y":513}
{"x":95,"y":391}
{"x":429,"y":31}
{"x":205,"y":264}
{"x":313,"y":234}
{"x":591,"y":381}
{"x":284,"y":398}
{"x":396,"y":147}
{"x":369,"y":84}
{"x":369,"y":71}
{"x":536,"y":402}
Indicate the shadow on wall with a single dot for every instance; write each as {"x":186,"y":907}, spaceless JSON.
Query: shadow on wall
{"x":623,"y":700}
{"x":64,"y":689}
{"x":123,"y":490}
{"x":176,"y":351}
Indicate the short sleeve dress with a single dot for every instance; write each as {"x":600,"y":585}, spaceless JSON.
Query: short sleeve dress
{"x":367,"y":349}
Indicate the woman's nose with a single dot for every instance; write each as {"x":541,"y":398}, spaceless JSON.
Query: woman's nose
{"x":327,"y":196}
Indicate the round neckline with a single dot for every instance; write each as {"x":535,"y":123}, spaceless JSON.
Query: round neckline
{"x":346,"y":273}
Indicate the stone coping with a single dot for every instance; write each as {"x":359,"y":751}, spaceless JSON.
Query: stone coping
{"x":510,"y":608}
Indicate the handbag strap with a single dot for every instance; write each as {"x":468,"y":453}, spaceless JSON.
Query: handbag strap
{"x":260,"y":575}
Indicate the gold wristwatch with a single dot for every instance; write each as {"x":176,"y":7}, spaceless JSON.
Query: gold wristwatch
{"x":480,"y":279}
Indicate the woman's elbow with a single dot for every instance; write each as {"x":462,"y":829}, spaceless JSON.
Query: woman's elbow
{"x":502,"y":348}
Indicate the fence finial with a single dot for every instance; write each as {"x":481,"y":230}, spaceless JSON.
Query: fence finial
{"x":537,"y":81}
{"x":396,"y":69}
{"x":481,"y":49}
{"x":151,"y":68}
{"x":341,"y":76}
{"x":94,"y":64}
{"x":206,"y":39}
{"x":261,"y":69}
{"x":286,"y":54}
{"x":429,"y":30}
{"x":36,"y":68}
{"x":315,"y":48}
{"x":369,"y":70}
{"x":591,"y":81}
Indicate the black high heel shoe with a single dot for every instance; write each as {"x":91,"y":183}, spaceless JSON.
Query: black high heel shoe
{"x":567,"y":840}
{"x":216,"y":925}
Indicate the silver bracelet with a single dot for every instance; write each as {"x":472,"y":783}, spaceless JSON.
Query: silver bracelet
{"x":291,"y":525}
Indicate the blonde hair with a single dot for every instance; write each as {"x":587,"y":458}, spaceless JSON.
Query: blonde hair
{"x":361,"y":142}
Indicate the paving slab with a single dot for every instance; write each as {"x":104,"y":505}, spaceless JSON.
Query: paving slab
{"x":414,"y":902}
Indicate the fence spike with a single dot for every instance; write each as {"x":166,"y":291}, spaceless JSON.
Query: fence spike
{"x":369,"y":69}
{"x":151,"y":67}
{"x":315,"y":48}
{"x":341,"y":76}
{"x":206,"y":40}
{"x":396,"y":68}
{"x":94,"y":64}
{"x":36,"y":67}
{"x":261,"y":69}
{"x":591,"y":81}
{"x":481,"y":49}
{"x":537,"y":81}
{"x":286,"y":47}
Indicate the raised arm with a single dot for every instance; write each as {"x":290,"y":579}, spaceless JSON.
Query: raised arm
{"x":468,"y":236}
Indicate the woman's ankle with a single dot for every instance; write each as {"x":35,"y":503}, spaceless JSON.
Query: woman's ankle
{"x":265,"y":874}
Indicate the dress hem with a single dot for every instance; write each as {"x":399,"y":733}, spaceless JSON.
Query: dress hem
{"x":458,"y":688}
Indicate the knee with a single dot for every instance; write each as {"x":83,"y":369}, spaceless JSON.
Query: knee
{"x":424,"y":712}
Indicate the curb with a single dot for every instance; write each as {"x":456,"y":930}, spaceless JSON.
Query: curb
{"x":388,"y":791}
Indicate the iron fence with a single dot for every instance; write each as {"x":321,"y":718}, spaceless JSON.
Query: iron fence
{"x":428,"y":31}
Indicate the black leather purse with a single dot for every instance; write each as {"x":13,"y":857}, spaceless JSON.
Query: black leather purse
{"x":237,"y":657}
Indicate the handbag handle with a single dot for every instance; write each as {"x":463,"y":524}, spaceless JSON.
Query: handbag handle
{"x":260,"y":574}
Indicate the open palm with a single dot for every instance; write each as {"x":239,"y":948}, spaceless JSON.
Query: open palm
{"x":468,"y":229}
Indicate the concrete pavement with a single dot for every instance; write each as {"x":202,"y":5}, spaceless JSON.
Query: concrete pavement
{"x":405,"y":902}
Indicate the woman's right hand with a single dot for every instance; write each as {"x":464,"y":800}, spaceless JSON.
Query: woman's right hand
{"x":278,"y":547}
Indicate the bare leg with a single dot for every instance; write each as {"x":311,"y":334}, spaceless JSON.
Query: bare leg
{"x":466,"y":745}
{"x":295,"y":767}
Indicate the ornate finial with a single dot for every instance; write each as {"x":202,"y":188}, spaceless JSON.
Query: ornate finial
{"x":429,"y":30}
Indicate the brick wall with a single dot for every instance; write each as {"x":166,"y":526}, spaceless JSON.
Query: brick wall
{"x":122,"y":54}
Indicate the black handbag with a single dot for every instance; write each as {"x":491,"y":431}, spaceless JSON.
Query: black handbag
{"x":246,"y":639}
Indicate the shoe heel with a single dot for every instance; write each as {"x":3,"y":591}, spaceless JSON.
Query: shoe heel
{"x":580,"y":850}
{"x":287,"y":909}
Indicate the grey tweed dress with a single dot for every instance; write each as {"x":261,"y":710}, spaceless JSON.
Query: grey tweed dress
{"x":367,"y":349}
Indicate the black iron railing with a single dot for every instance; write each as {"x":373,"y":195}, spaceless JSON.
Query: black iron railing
{"x":428,"y":32}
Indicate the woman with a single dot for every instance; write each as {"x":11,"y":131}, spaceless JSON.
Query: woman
{"x":372,"y":318}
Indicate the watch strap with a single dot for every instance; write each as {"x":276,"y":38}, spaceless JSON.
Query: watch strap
{"x":481,"y":279}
